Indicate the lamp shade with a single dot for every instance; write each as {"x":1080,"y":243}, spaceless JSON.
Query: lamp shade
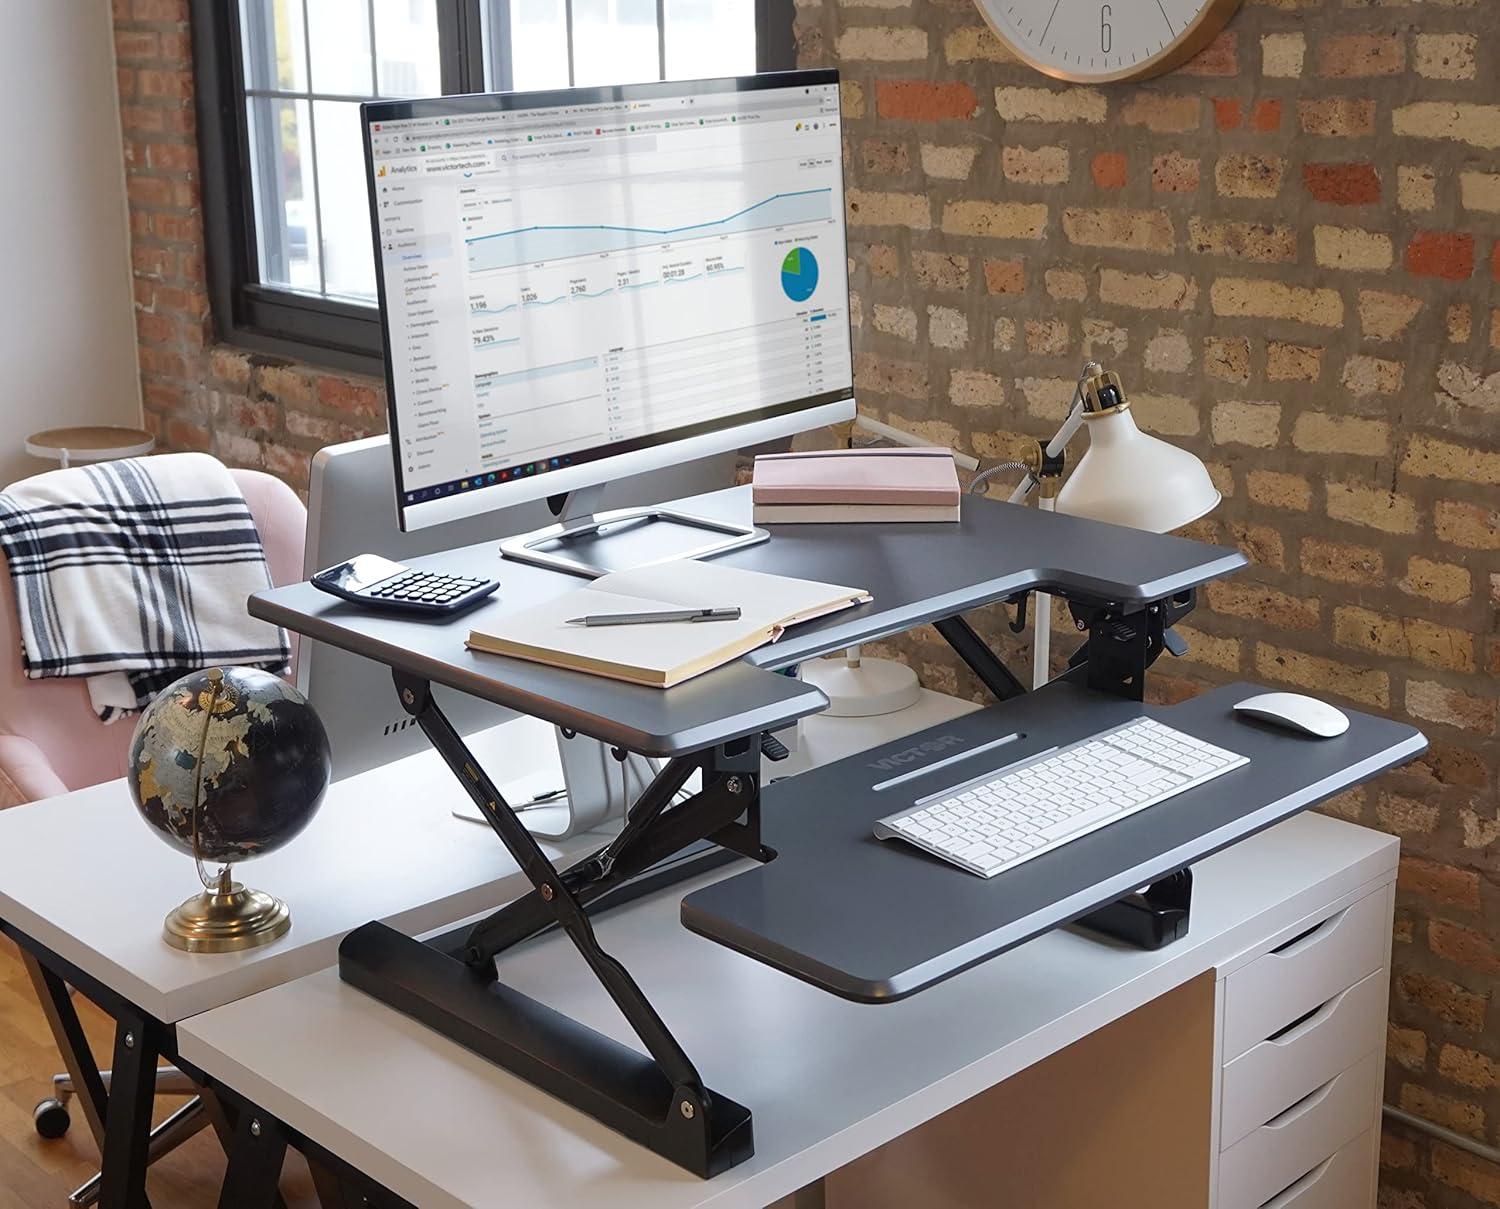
{"x":1129,"y":478}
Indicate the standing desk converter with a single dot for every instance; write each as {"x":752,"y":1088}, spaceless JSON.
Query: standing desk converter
{"x":1126,"y":587}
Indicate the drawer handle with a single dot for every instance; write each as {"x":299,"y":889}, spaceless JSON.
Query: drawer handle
{"x":1297,"y":1187}
{"x":1305,"y":940}
{"x":1302,"y":1107}
{"x":1303,"y":1025}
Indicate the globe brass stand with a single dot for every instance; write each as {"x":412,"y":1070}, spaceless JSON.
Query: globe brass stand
{"x":225,"y":917}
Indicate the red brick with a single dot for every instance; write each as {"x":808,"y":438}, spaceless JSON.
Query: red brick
{"x":183,"y":435}
{"x":1356,"y":56}
{"x":1266,"y":116}
{"x":351,"y":398}
{"x":1342,"y":184}
{"x":140,"y":119}
{"x":137,"y":44}
{"x":156,"y":329}
{"x":1228,"y":113}
{"x":1004,"y":276}
{"x":1108,"y":169}
{"x":1464,"y":946}
{"x":175,"y":228}
{"x":172,"y":157}
{"x":177,"y":49}
{"x":165,"y":85}
{"x":159,"y":10}
{"x":924,"y":101}
{"x":1445,"y":254}
{"x":151,"y":260}
{"x":148,"y":191}
{"x":1221,"y":57}
{"x":1441,"y":883}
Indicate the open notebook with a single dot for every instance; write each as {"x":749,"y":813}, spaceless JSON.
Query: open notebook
{"x":664,"y":654}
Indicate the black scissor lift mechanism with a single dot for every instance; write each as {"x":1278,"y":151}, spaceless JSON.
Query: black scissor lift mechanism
{"x":658,"y":1099}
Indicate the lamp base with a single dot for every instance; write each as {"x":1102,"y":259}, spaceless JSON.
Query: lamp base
{"x":220,"y":921}
{"x":868,"y":689}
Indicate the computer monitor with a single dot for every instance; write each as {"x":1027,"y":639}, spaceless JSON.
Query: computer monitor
{"x":585,"y":284}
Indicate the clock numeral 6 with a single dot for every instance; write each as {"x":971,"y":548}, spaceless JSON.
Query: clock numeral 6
{"x":1106,"y":31}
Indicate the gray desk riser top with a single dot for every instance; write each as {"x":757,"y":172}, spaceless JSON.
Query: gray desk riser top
{"x":876,"y":920}
{"x":916,"y":573}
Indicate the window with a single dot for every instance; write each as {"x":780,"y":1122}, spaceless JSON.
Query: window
{"x":279,"y":88}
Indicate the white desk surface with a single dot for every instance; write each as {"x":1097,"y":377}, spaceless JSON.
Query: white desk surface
{"x":827,"y":1080}
{"x":85,"y":876}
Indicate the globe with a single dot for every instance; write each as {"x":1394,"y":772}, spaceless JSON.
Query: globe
{"x":228,"y":764}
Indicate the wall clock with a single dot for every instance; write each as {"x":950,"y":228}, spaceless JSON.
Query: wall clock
{"x":1100,"y":41}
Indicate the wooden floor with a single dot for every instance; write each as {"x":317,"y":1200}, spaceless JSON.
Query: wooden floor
{"x":35,"y":1173}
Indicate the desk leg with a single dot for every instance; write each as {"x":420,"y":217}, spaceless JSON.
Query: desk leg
{"x":62,"y":1017}
{"x":256,"y":1155}
{"x":127,"y":1121}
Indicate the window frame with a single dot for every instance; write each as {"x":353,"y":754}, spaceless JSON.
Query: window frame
{"x":288,"y":323}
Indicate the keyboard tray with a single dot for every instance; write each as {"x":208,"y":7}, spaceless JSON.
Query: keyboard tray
{"x":875,"y":921}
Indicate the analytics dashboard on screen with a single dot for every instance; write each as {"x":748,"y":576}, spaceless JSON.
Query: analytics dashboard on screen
{"x":567,"y":281}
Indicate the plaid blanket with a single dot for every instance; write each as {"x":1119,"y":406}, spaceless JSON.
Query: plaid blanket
{"x":134,"y":573}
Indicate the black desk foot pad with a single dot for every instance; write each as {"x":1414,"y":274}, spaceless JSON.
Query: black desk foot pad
{"x":693,"y":1127}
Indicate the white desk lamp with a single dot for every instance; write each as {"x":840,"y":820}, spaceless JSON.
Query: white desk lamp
{"x":1125,"y":477}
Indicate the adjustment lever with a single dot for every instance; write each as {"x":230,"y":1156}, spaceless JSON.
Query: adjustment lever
{"x":773,"y":748}
{"x":1174,"y":642}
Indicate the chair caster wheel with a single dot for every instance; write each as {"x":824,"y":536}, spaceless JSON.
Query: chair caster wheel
{"x":51,"y":1118}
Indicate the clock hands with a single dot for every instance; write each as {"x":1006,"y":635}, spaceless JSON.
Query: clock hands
{"x":1164,"y":17}
{"x":1048,"y":26}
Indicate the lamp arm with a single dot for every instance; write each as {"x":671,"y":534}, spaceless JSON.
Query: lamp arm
{"x":910,"y":440}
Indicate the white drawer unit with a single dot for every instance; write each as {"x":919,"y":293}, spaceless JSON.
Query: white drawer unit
{"x":1269,"y":1077}
{"x":1285,"y":984}
{"x":1344,"y":1180}
{"x":1268,"y":1160}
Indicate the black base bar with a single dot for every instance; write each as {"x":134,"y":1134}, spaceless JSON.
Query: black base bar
{"x":1148,"y":919}
{"x":697,"y":1129}
{"x":451,"y":984}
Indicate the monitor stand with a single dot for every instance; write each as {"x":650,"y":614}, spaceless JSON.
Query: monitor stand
{"x":591,"y":543}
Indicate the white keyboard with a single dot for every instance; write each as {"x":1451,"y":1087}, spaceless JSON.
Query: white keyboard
{"x":998,"y":820}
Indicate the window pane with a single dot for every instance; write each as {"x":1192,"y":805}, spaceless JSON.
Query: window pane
{"x":340,"y":34}
{"x":539,"y":44}
{"x":607,"y":49}
{"x":275,"y":53}
{"x":708,"y":38}
{"x":286,"y":220}
{"x":406,"y":48}
{"x":348,"y":265}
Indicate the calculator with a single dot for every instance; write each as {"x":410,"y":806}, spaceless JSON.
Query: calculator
{"x":379,"y":583}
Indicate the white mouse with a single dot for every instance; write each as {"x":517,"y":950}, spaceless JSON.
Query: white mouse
{"x":1293,"y":711}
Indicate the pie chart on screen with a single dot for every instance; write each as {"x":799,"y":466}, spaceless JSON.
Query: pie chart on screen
{"x":799,"y":274}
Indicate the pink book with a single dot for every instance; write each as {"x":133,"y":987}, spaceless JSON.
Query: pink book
{"x":857,"y":476}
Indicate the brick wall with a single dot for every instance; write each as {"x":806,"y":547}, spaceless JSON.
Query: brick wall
{"x":1288,"y":250}
{"x":248,"y":409}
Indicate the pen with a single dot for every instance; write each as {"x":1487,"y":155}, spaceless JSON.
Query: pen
{"x":732,"y":614}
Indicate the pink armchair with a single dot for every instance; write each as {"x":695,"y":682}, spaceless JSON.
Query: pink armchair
{"x":51,"y":741}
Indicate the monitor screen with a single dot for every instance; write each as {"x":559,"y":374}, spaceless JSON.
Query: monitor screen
{"x":567,"y":277}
